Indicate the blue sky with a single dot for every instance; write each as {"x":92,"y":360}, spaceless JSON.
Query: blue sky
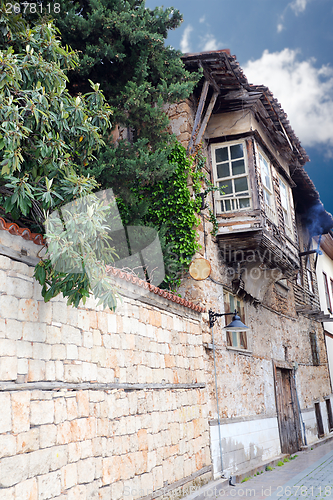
{"x":286,"y":45}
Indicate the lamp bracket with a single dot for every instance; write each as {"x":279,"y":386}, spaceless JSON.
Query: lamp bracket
{"x":214,"y":315}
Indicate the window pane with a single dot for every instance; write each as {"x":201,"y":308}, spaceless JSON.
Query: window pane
{"x":221,"y":154}
{"x":241,"y":184}
{"x":232,"y":303}
{"x":243,"y":341}
{"x":284,"y":196}
{"x":236,"y":151}
{"x":244,"y":202}
{"x":223,"y":170}
{"x":227,"y":205}
{"x":238,"y":167}
{"x":265,"y":174}
{"x":267,"y":198}
{"x":234,"y":339}
{"x":226,"y":187}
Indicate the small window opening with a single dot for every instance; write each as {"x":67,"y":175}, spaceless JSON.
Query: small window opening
{"x":314,"y":349}
{"x":319,"y":419}
{"x":329,"y":414}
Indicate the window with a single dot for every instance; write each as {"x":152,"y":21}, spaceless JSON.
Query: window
{"x":285,"y":203}
{"x":309,"y":275}
{"x":237,"y":340}
{"x":327,"y":293}
{"x":230,"y":171}
{"x":314,"y":349}
{"x":266,"y":179}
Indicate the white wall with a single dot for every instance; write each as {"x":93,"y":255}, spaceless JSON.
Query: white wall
{"x":244,"y":444}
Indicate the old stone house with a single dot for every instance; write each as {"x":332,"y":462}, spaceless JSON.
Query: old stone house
{"x":102,"y":405}
{"x":273,"y":381}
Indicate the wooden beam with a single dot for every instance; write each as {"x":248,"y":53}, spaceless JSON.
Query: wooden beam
{"x":94,"y":386}
{"x":197,"y":119}
{"x":209,"y":77}
{"x":206,"y":118}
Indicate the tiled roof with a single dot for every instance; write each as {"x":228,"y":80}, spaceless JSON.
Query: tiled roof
{"x":24,"y":232}
{"x":153,"y":289}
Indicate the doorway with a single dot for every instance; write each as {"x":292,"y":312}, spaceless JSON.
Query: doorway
{"x":287,"y":410}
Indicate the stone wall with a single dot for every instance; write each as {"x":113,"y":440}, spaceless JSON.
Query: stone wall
{"x":95,"y":404}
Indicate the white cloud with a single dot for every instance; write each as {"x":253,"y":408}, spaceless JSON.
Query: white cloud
{"x":185,"y":40}
{"x":209,"y":43}
{"x":304,"y":91}
{"x":280,"y":27}
{"x":202,"y":19}
{"x":299,"y":6}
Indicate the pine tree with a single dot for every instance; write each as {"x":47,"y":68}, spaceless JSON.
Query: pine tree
{"x":121,"y":45}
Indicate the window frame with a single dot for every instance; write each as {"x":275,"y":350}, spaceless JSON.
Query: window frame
{"x":220,"y":199}
{"x":270,"y":208}
{"x":287,"y":211}
{"x":327,"y":293}
{"x":309,"y":275}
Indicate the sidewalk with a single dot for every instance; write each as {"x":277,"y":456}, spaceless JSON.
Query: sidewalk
{"x":308,"y":476}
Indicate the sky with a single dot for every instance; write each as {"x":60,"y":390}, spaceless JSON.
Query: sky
{"x":285,"y":45}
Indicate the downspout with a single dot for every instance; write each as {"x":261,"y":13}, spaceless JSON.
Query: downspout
{"x":217,"y":403}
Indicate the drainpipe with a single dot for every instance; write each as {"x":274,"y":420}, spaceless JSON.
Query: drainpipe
{"x":217,"y":402}
{"x":299,"y":408}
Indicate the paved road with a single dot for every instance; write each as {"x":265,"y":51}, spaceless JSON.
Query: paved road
{"x":309,"y":476}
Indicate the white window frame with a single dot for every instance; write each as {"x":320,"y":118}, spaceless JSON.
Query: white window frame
{"x":229,"y":203}
{"x":286,"y":208}
{"x":267,"y":187}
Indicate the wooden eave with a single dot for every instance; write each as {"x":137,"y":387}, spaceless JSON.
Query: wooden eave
{"x":237,"y":94}
{"x":326,"y":244}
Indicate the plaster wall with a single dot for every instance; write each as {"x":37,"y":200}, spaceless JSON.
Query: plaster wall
{"x":250,"y":441}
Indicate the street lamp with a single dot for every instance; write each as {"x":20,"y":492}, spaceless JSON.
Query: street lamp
{"x":236,"y":325}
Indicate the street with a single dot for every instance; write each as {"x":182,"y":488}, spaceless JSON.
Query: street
{"x":308,"y":476}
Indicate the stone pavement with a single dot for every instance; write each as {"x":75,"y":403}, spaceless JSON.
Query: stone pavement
{"x":309,"y":476}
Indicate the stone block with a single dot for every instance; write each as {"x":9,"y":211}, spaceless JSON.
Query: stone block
{"x":13,"y":470}
{"x":39,"y":462}
{"x":72,"y":351}
{"x":59,"y":370}
{"x":53,"y":334}
{"x":58,"y":351}
{"x":20,"y":411}
{"x":34,"y":332}
{"x":69,"y":476}
{"x":36,"y":371}
{"x":112,"y":470}
{"x":71,"y":404}
{"x":7,"y":445}
{"x":42,"y":412}
{"x":71,"y":335}
{"x":83,"y":320}
{"x":28,"y":441}
{"x":27,"y":490}
{"x":60,"y":410}
{"x":7,"y":347}
{"x":50,"y":371}
{"x":112,"y":323}
{"x":79,"y":492}
{"x":28,"y":310}
{"x":11,"y":328}
{"x":47,"y":435}
{"x":59,"y":312}
{"x":86,"y":449}
{"x":82,"y":398}
{"x":86,"y":470}
{"x":74,"y":452}
{"x":87,"y":339}
{"x":64,"y":432}
{"x":49,"y":485}
{"x":8,"y":368}
{"x":45,"y":312}
{"x":22,"y":366}
{"x":9,"y":307}
{"x":19,"y":288}
{"x":23,"y":349}
{"x":58,"y":457}
{"x":73,"y":373}
{"x":41,"y":351}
